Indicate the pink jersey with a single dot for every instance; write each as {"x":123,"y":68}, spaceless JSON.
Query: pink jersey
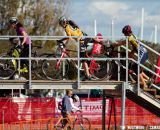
{"x":19,"y":33}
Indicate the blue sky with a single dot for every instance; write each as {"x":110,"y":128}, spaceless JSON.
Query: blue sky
{"x":124,"y":12}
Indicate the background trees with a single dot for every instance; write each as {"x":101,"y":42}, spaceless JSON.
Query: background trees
{"x":40,"y":17}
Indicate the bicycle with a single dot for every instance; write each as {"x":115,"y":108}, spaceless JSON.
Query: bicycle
{"x":58,"y":69}
{"x":10,"y":67}
{"x":79,"y":123}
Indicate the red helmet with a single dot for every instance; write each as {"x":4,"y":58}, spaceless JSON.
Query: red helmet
{"x":99,"y":36}
{"x":127,"y":30}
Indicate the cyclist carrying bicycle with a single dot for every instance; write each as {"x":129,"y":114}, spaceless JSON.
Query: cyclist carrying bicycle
{"x":143,"y":55}
{"x":25,"y":41}
{"x":72,"y":29}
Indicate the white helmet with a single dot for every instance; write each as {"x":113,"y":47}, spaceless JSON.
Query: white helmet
{"x":13,"y":20}
{"x":61,"y":20}
{"x":75,"y":98}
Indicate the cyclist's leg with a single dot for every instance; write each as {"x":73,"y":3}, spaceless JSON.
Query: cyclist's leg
{"x":132,"y":72}
{"x":143,"y":81}
{"x":24,"y":54}
{"x":68,"y":121}
{"x":86,"y":68}
{"x":85,"y":64}
{"x":145,"y":76}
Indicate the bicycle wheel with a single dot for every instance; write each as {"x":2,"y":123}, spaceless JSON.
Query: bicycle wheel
{"x":7,"y":67}
{"x":82,"y":124}
{"x":101,"y":69}
{"x":54,"y":70}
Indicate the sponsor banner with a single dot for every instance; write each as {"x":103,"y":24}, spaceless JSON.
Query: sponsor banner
{"x":17,"y":109}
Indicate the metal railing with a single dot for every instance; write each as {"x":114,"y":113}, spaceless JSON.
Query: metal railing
{"x":30,"y":58}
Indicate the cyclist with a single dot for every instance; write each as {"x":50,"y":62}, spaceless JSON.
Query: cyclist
{"x":72,"y":29}
{"x":25,"y":41}
{"x":73,"y":100}
{"x":143,"y":55}
{"x":96,"y":50}
{"x":66,"y":106}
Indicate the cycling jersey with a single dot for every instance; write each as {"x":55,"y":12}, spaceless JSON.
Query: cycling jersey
{"x":71,"y":31}
{"x":143,"y":54}
{"x":74,"y":108}
{"x":133,"y":41}
{"x":19,"y":31}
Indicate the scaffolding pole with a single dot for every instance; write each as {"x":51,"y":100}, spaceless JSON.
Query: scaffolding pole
{"x":123,"y":106}
{"x":103,"y":111}
{"x":155,"y":34}
{"x":95,"y":27}
{"x":142,"y":24}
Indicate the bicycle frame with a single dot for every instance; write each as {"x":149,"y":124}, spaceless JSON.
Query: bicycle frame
{"x":95,"y":68}
{"x":63,"y":54}
{"x":92,"y":67}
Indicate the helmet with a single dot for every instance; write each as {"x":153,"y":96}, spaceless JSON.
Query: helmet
{"x":75,"y":98}
{"x":13,"y":20}
{"x":61,"y":20}
{"x":99,"y":35}
{"x":99,"y":38}
{"x":127,"y":30}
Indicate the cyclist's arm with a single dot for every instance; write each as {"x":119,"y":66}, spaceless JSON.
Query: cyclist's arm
{"x":120,"y":43}
{"x":73,"y":106}
{"x":24,"y":34}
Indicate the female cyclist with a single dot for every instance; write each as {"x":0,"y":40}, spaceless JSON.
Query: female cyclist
{"x":24,"y":39}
